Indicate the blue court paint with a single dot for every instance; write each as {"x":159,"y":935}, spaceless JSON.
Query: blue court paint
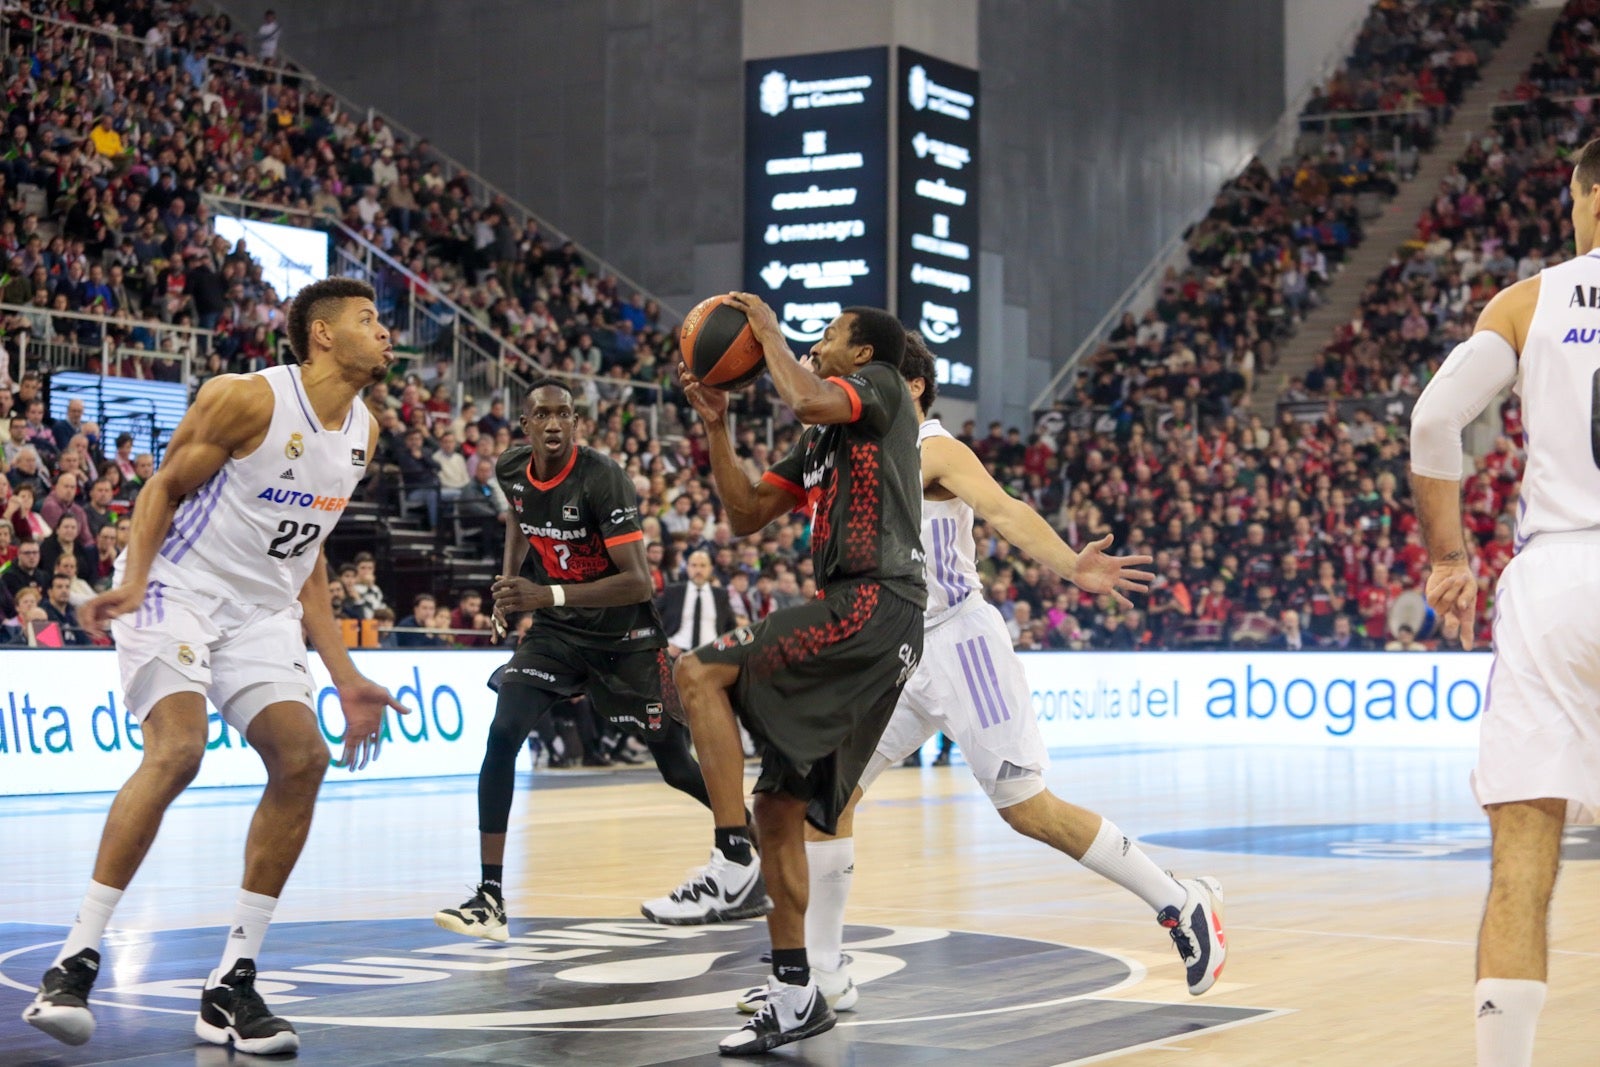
{"x":1365,"y":841}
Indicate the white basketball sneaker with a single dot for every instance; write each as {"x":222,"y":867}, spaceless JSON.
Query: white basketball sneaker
{"x":790,"y":1013}
{"x":1196,"y":930}
{"x":836,"y":985}
{"x":721,"y":891}
{"x":484,"y":915}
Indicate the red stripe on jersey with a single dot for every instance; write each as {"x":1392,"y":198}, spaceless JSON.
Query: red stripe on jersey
{"x":855,"y":397}
{"x":799,"y":494}
{"x":572,"y":461}
{"x":625,"y":539}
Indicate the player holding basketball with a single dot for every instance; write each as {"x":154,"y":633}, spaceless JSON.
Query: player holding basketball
{"x":1539,"y":754}
{"x":596,"y":630}
{"x":971,"y":686}
{"x":224,"y":566}
{"x":814,"y":684}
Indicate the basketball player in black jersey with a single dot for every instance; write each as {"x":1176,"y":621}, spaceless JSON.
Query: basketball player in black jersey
{"x":814,"y":684}
{"x":574,"y":556}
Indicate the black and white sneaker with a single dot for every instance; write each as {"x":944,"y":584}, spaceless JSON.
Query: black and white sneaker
{"x":721,"y":891}
{"x":484,"y":915}
{"x":1196,"y":930}
{"x":61,"y":1007}
{"x":789,"y":1013}
{"x":232,"y":1010}
{"x":837,"y":987}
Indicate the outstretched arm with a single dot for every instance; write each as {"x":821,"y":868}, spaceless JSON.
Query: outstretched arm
{"x":952,"y":467}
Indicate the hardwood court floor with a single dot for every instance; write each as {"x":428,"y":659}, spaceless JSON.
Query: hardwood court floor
{"x":1350,"y":915}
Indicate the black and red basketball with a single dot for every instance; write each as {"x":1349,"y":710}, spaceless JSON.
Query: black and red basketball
{"x":718,"y":345}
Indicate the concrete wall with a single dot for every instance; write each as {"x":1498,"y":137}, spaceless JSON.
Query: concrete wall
{"x":1316,"y":35}
{"x":1109,"y":125}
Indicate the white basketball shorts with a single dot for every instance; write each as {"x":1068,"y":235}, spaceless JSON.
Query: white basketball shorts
{"x":971,"y":687}
{"x":1541,"y":723}
{"x":242,"y":657}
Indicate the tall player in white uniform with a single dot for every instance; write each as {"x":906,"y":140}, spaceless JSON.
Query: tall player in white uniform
{"x":224,"y":566}
{"x":1539,"y":751}
{"x":971,"y":686}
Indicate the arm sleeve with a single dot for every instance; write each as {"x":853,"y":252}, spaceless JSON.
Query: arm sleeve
{"x":616,"y":505}
{"x":788,"y":473}
{"x":1474,"y":374}
{"x":876,"y":393}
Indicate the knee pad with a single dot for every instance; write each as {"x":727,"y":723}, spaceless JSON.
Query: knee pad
{"x":1014,"y":785}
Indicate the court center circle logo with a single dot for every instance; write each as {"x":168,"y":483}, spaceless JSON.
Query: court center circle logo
{"x":579,"y":974}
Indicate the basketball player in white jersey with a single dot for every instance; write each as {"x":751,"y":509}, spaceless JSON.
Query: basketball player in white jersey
{"x":971,"y":686}
{"x":224,"y":566}
{"x":1539,"y":751}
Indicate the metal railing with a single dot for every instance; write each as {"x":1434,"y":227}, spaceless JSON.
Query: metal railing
{"x":39,"y":336}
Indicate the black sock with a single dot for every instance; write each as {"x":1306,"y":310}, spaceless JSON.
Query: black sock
{"x":789,"y":966}
{"x":492,"y":874}
{"x":734,"y":843}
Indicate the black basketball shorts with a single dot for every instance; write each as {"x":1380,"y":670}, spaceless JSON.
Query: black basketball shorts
{"x":817,"y":684}
{"x":632,"y":689}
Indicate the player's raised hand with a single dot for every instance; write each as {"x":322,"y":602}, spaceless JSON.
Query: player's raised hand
{"x":709,"y":403}
{"x":763,"y":320}
{"x":96,"y":613}
{"x":364,"y":703}
{"x":1453,"y":595}
{"x":1100,"y":573}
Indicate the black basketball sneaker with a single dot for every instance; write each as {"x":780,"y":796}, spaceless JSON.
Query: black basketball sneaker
{"x":789,"y":1013}
{"x":61,"y":1007}
{"x":232,"y":1010}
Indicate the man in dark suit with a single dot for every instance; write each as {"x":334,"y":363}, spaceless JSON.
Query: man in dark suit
{"x":695,"y":611}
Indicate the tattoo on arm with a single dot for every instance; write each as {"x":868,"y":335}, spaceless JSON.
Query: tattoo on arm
{"x":1455,"y":556}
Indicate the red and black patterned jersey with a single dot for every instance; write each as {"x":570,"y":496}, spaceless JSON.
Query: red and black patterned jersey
{"x":862,"y":483}
{"x":571,"y":523}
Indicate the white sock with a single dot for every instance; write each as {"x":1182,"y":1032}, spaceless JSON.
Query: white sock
{"x":833,"y":866}
{"x":1508,"y":1015}
{"x":251,"y":917}
{"x":1115,"y":857}
{"x":90,"y":926}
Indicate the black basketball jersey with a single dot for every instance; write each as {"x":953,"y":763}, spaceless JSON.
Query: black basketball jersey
{"x":862,"y":483}
{"x":571,"y":522}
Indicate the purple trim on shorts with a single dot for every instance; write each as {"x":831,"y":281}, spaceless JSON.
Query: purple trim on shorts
{"x":193,"y":535}
{"x":305,"y":408}
{"x":999,"y":694}
{"x":972,"y":687}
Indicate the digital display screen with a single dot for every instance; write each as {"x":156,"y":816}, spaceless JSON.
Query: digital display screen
{"x":291,"y":257}
{"x":816,"y":188}
{"x":936,"y":206}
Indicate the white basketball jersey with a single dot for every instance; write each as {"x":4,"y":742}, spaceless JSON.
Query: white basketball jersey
{"x":947,"y":545}
{"x":1558,"y":378}
{"x":252,"y":532}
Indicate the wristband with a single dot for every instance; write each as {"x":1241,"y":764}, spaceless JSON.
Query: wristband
{"x":558,"y":596}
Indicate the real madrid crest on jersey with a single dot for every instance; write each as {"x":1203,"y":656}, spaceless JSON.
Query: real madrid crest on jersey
{"x":296,"y":446}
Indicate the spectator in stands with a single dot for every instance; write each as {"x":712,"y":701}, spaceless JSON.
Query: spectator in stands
{"x":423,"y":609}
{"x":419,"y":477}
{"x":64,"y":542}
{"x":387,"y":638}
{"x":80,"y":592}
{"x":468,"y":614}
{"x":23,"y":571}
{"x":62,"y":502}
{"x":366,"y":585}
{"x":1405,"y":641}
{"x":59,"y":610}
{"x":1343,"y":638}
{"x":105,"y":558}
{"x":26,"y":523}
{"x":28,"y":616}
{"x":696,"y":610}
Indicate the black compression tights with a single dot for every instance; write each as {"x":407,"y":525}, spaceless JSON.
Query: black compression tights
{"x":516,"y":713}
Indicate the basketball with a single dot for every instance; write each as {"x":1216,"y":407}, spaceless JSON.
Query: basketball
{"x":718,"y":345}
